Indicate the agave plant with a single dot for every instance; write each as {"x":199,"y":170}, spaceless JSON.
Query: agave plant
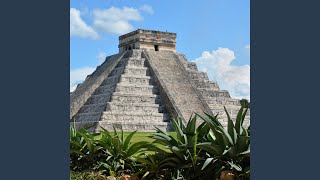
{"x":121,"y":153}
{"x":84,"y":150}
{"x":227,"y":149}
{"x":184,"y":157}
{"x":109,"y":152}
{"x":152,"y":166}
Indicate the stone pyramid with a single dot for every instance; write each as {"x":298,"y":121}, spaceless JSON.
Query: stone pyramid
{"x":145,"y":85}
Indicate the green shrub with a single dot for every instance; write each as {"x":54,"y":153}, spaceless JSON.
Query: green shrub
{"x":205,"y":151}
{"x":85,"y":151}
{"x":110,"y":153}
{"x":151,"y":166}
{"x":121,"y":153}
{"x":184,"y":158}
{"x":227,"y":149}
{"x":194,"y":152}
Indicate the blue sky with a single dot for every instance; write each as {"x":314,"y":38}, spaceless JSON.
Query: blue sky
{"x":213,"y":33}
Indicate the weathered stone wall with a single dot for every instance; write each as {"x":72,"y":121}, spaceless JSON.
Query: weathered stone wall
{"x":146,"y":39}
{"x":166,"y":99}
{"x":183,"y":96}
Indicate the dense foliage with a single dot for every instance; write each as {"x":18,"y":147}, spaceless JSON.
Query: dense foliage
{"x":104,"y":151}
{"x":205,"y":151}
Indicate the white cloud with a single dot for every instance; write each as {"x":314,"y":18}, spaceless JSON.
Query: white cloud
{"x":79,"y":28}
{"x":78,"y":76}
{"x":147,"y":8}
{"x":101,"y":57}
{"x":115,"y":20}
{"x":235,"y":79}
{"x":247,"y":46}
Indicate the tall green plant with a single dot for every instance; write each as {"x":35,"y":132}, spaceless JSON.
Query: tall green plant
{"x":183,"y":156}
{"x":108,"y":152}
{"x":121,"y":153}
{"x":153,"y":166}
{"x":227,"y":149}
{"x":84,"y":150}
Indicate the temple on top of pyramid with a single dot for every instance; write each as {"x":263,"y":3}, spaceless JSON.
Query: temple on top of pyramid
{"x":145,"y":85}
{"x":148,"y":40}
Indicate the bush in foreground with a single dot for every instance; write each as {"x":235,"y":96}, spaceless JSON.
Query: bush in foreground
{"x":109,"y":153}
{"x":200,"y":152}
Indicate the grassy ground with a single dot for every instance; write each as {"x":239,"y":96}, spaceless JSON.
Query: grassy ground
{"x":143,"y":136}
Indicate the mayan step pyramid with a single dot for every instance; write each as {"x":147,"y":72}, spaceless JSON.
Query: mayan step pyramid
{"x":145,"y":85}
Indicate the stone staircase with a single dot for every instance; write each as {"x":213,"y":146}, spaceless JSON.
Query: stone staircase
{"x":173,"y":78}
{"x":127,"y":98}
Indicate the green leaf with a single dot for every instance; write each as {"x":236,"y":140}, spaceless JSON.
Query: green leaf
{"x":226,"y":137}
{"x":244,"y":115}
{"x":231,"y":129}
{"x":219,"y":139}
{"x":128,"y":139}
{"x":203,"y":130}
{"x":136,"y":147}
{"x":122,"y":138}
{"x":212,"y":148}
{"x":76,"y":152}
{"x":145,"y":175}
{"x":191,"y":126}
{"x":243,"y":143}
{"x":245,"y":152}
{"x":206,"y":163}
{"x":239,"y":121}
{"x":170,"y":140}
{"x":180,"y":135}
{"x":235,"y":166}
{"x":214,"y":119}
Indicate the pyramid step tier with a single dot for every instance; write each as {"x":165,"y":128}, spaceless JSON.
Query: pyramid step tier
{"x":134,"y":98}
{"x":141,"y":127}
{"x":140,"y":89}
{"x":140,"y":71}
{"x":98,"y":107}
{"x":133,"y":122}
{"x":134,"y":117}
{"x":84,"y":117}
{"x":110,"y":80}
{"x":95,"y":126}
{"x":117,"y":71}
{"x":212,"y":93}
{"x":136,"y":107}
{"x":222,"y":101}
{"x":197,"y":75}
{"x":139,"y":115}
{"x":105,"y":89}
{"x":134,"y":79}
{"x":206,"y":84}
{"x":130,"y":70}
{"x":100,"y":98}
{"x":135,"y":62}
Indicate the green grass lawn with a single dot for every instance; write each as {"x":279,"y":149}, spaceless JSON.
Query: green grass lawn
{"x":143,"y":136}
